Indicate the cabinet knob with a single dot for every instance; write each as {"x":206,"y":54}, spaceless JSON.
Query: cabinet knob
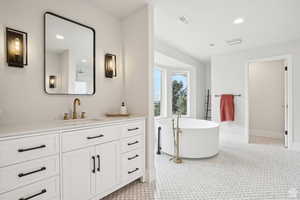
{"x":32,"y":172}
{"x":130,"y":172}
{"x":133,"y":143}
{"x":94,"y":164}
{"x":98,"y":169}
{"x":33,"y":148}
{"x":35,"y":195}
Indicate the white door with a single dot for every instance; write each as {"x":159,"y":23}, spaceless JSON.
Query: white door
{"x":78,"y":174}
{"x":106,"y":166}
{"x":286,"y":144}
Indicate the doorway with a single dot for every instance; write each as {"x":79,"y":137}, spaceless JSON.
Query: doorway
{"x":269,"y":101}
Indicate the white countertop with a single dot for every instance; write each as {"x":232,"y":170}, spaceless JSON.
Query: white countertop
{"x":12,"y":130}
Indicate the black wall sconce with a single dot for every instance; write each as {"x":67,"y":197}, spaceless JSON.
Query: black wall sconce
{"x":52,"y":82}
{"x":110,"y":65}
{"x":16,"y":48}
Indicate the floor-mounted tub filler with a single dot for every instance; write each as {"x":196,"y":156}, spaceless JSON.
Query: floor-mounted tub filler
{"x":197,"y":138}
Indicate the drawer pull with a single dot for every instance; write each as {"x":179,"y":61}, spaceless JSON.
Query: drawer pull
{"x":28,"y":173}
{"x":133,"y":129}
{"x":98,"y":169}
{"x":131,"y":158}
{"x":33,"y":148}
{"x":132,"y":143}
{"x":130,"y":172}
{"x":35,"y":195}
{"x":94,"y":137}
{"x":94,"y":164}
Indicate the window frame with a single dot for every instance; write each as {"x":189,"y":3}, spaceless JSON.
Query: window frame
{"x":163,"y":93}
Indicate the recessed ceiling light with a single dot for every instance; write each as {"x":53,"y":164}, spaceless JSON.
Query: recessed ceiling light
{"x":59,"y":37}
{"x":84,"y":60}
{"x":239,"y":20}
{"x":184,"y":19}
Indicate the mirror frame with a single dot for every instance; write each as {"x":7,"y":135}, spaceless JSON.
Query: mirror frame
{"x":94,"y":54}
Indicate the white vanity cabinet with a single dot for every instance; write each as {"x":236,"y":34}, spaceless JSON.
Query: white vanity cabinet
{"x":98,"y":161}
{"x":107,"y":166}
{"x":29,"y":167}
{"x":77,"y":176}
{"x":72,"y":163}
{"x":90,"y":171}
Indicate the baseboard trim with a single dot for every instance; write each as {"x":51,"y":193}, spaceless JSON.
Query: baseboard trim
{"x":150,"y":175}
{"x":295,"y":146}
{"x":233,"y":133}
{"x":265,"y":133}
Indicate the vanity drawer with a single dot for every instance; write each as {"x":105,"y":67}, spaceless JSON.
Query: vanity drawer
{"x":25,"y":173}
{"x":132,"y":159}
{"x":132,"y":165}
{"x":82,"y":138}
{"x":129,"y":144}
{"x":132,"y":173}
{"x":44,"y":190}
{"x":24,"y":149}
{"x":133,"y":129}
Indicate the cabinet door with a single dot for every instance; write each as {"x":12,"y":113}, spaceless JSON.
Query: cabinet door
{"x":107,"y":166}
{"x":78,"y":174}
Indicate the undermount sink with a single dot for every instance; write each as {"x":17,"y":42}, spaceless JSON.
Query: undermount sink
{"x":80,"y":121}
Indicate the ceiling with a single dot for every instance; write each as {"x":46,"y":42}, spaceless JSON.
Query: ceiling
{"x":211,"y":21}
{"x":120,"y":8}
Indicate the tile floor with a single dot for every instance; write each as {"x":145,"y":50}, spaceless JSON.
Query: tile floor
{"x":258,"y":171}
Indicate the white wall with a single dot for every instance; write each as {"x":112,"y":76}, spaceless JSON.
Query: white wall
{"x":136,"y":59}
{"x":22,"y":90}
{"x":266,"y":98}
{"x":229,"y":76}
{"x":208,"y":76}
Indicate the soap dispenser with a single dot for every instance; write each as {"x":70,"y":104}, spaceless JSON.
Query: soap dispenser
{"x":123,"y":109}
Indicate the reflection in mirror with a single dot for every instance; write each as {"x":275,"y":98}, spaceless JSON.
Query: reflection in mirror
{"x":69,"y":56}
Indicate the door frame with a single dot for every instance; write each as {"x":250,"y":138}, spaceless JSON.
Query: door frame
{"x":288,"y":59}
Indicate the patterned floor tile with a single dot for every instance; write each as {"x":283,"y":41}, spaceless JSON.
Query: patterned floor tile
{"x":261,"y":170}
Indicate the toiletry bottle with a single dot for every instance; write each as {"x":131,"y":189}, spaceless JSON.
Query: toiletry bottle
{"x":123,"y":109}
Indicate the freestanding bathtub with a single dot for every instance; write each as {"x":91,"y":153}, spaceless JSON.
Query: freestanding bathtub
{"x":199,"y":138}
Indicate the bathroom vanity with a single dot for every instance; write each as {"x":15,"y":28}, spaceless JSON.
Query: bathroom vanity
{"x":71,"y":160}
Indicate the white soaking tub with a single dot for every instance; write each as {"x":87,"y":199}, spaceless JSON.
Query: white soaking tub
{"x":199,"y":138}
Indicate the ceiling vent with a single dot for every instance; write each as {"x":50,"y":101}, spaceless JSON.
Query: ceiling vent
{"x":234,"y":42}
{"x":184,"y":19}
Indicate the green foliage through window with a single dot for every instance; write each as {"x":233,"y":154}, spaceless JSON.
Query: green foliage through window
{"x":179,"y":94}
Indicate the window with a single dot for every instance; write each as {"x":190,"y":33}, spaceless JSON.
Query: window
{"x":157,"y":92}
{"x":180,"y":93}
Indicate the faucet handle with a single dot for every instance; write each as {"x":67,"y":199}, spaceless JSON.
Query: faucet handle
{"x":66,"y":116}
{"x":82,"y":115}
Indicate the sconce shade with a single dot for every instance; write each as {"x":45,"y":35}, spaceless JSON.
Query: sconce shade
{"x":110,"y":65}
{"x":52,"y":81}
{"x":16,"y":48}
